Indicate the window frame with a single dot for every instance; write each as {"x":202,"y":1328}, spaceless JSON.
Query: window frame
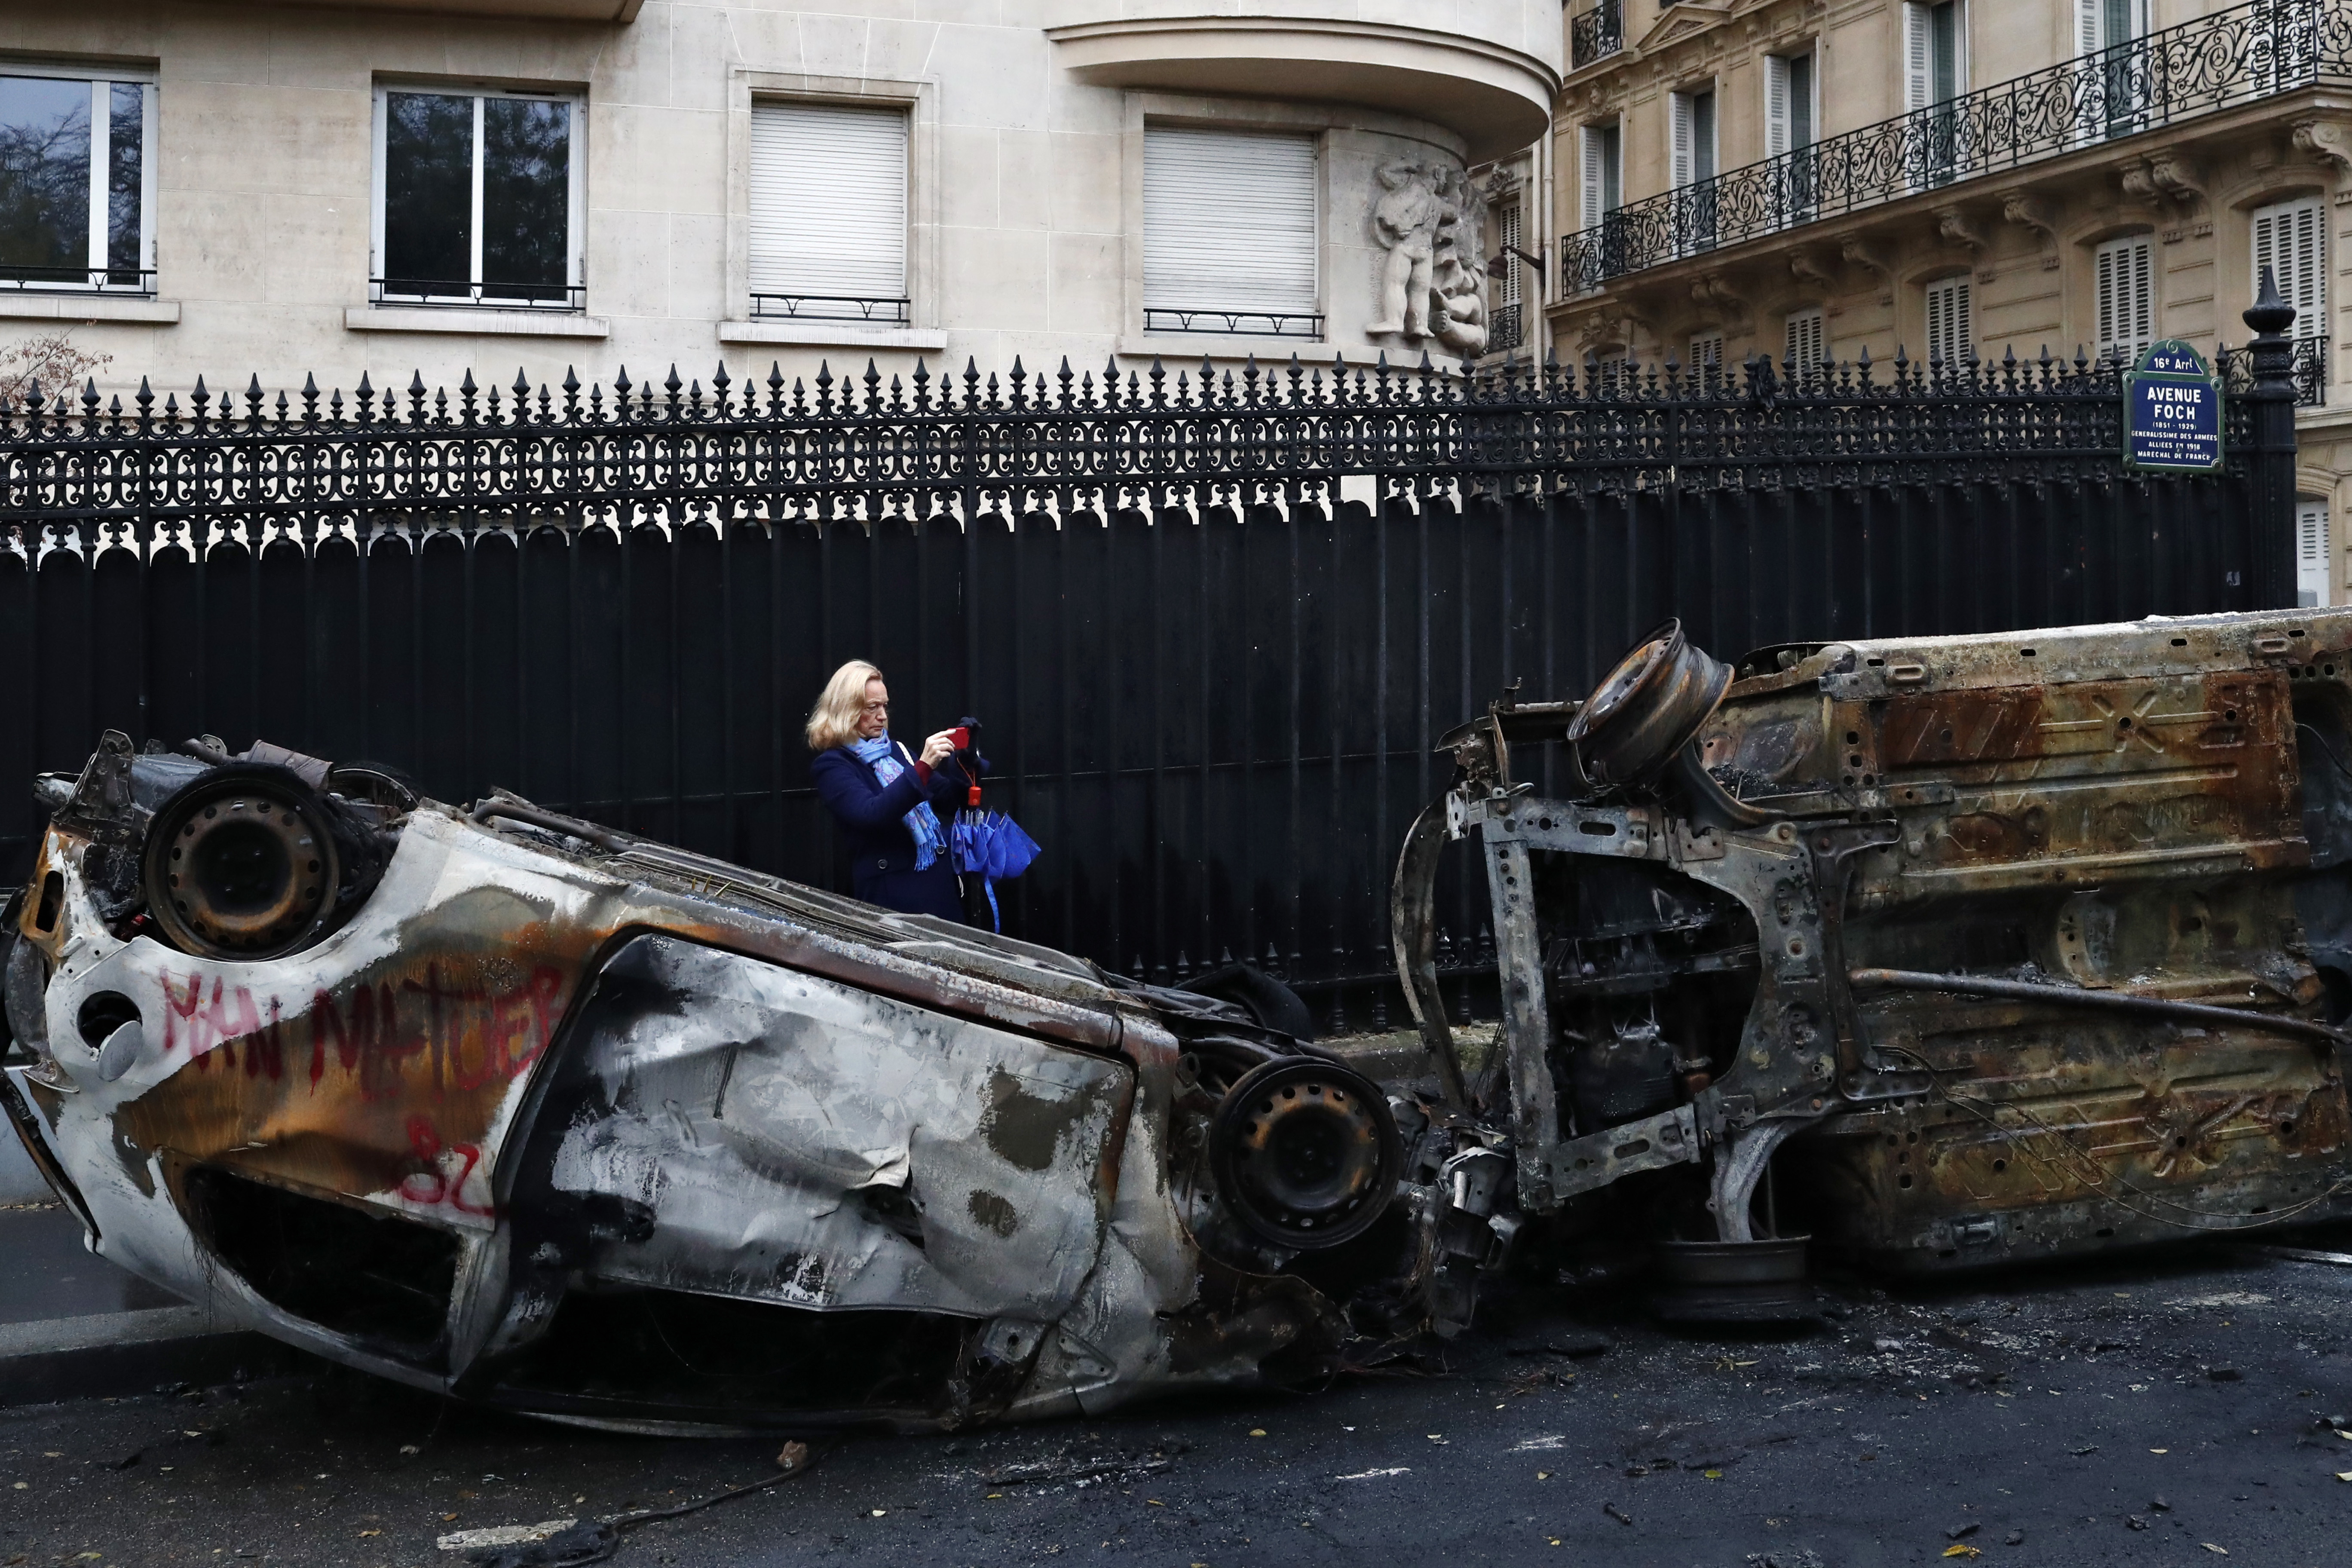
{"x":905,"y":108}
{"x":1601,"y":145}
{"x":575,"y":282}
{"x":102,"y":190}
{"x":2139,"y":246}
{"x":2315,"y":549}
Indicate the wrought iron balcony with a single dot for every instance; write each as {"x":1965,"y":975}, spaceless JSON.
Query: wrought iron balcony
{"x":1254,"y":323}
{"x":1506,"y":329}
{"x":2309,"y":370}
{"x":2214,"y":63}
{"x":865,"y":311}
{"x":132,"y":280}
{"x":1596,"y":33}
{"x":459,"y":294}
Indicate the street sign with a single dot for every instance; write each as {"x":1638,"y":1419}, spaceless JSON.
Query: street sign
{"x":2172,"y":410}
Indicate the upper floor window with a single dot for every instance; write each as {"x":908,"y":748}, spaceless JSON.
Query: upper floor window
{"x":1934,"y":68}
{"x":477,"y":199}
{"x":2124,"y":273}
{"x":1229,"y":232}
{"x":1951,"y":331}
{"x":828,"y":210}
{"x":2116,"y":105}
{"x":1791,"y":115}
{"x":2311,"y":552}
{"x":77,"y":181}
{"x":1692,"y":148}
{"x":1603,"y":189}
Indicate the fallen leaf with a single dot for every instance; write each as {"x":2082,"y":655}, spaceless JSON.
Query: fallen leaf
{"x":2344,"y":1475}
{"x":879,"y":1513}
{"x":1257,"y":1431}
{"x":2209,"y":1546}
{"x":2159,"y":1450}
{"x":365,"y":1534}
{"x":1545,"y":1475}
{"x":1961,"y":1550}
{"x":447,"y":1516}
{"x":1713,"y":1475}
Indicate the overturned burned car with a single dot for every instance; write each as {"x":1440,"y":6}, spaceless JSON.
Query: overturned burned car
{"x":499,"y":1102}
{"x":1943,"y":952}
{"x":1939,"y":952}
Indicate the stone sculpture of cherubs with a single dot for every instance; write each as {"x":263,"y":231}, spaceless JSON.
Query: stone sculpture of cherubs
{"x":1406,"y":220}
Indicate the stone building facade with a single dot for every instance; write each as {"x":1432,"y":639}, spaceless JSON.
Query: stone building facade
{"x":236,"y":189}
{"x":1820,"y":178}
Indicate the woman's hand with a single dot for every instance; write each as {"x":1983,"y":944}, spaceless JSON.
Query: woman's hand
{"x":939,"y":748}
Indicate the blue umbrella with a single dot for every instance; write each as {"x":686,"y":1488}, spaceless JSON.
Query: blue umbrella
{"x":990,"y":845}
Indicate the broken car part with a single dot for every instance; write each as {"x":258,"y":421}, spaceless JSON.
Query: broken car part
{"x":1945,"y":952}
{"x":518,"y":1107}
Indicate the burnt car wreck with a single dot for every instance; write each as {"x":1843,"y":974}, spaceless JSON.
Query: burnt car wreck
{"x":1936,"y":953}
{"x":1939,"y":951}
{"x":500,"y":1103}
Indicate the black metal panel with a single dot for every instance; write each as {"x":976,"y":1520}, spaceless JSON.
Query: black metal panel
{"x":1210,"y":674}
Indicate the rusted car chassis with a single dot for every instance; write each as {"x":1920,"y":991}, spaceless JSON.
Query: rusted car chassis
{"x":500,"y":1103}
{"x":1945,"y":951}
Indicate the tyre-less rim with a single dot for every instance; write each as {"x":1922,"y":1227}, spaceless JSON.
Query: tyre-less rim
{"x":240,"y":864}
{"x":1305,"y":1153}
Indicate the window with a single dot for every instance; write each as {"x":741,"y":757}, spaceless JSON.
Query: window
{"x":1950,"y":332}
{"x":1804,"y":342}
{"x":2310,"y":551}
{"x":2100,"y":25}
{"x":828,"y":213}
{"x":1935,"y":72}
{"x":478,"y":196}
{"x":1790,"y":113}
{"x":76,"y":181}
{"x":2291,"y":239}
{"x":2127,"y":297}
{"x":1229,"y":232}
{"x":1603,"y":190}
{"x":1508,"y":230}
{"x":1691,"y":116}
{"x":1707,"y":351}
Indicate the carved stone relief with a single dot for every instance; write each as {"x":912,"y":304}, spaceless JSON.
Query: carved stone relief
{"x":1431,"y":220}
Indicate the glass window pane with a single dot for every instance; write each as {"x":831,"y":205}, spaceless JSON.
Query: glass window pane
{"x":429,"y":193}
{"x":126,"y":153}
{"x":45,"y":179}
{"x":526,"y":198}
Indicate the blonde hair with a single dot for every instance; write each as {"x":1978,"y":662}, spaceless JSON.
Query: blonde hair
{"x":834,"y":721}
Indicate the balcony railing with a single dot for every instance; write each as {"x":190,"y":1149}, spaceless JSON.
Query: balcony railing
{"x":2309,"y":370}
{"x":2200,"y":67}
{"x":1254,"y":323}
{"x":129,"y":281}
{"x":1597,"y":34}
{"x":1506,"y":329}
{"x":873,"y":312}
{"x":456,"y":295}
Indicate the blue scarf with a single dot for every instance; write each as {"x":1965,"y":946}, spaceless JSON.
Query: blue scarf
{"x":881,"y":755}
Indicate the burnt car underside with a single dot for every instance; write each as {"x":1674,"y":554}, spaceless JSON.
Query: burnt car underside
{"x":1942,"y":951}
{"x":1933,"y":953}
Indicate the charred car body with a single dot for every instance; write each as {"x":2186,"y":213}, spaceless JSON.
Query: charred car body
{"x":1941,"y":952}
{"x":1985,"y":948}
{"x":501,"y":1103}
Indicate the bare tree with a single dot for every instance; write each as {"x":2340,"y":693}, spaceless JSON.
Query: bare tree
{"x":54,"y":360}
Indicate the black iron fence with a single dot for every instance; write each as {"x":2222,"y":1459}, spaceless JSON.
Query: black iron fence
{"x":2202,"y":67}
{"x":1213,"y":625}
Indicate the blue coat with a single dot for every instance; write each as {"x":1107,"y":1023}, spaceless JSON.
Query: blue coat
{"x":874,"y":827}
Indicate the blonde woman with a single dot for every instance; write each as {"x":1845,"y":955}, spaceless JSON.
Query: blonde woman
{"x":893,"y":808}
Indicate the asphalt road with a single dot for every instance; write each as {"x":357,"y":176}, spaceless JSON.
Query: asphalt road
{"x":2145,"y":1412}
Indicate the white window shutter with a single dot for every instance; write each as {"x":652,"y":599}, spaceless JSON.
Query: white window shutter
{"x":1591,"y":192}
{"x":2291,"y":239}
{"x":1950,"y":332}
{"x":2089,"y":16}
{"x":1507,"y":229}
{"x":1918,"y":84}
{"x":828,"y":201}
{"x":1229,"y":221}
{"x":1679,"y":107}
{"x":1801,"y":345}
{"x":1776,"y":106}
{"x":2124,"y":272}
{"x":2312,"y":551}
{"x":1706,"y":349}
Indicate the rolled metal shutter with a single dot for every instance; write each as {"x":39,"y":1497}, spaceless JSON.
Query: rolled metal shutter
{"x":828,"y":200}
{"x":1229,"y":221}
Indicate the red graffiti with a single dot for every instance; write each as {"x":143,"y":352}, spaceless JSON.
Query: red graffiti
{"x":466,"y":1037}
{"x":435,"y":1184}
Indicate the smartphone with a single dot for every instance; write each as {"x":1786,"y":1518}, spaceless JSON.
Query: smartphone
{"x":962,"y":738}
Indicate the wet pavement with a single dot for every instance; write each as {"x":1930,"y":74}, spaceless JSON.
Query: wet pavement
{"x":2164,"y":1409}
